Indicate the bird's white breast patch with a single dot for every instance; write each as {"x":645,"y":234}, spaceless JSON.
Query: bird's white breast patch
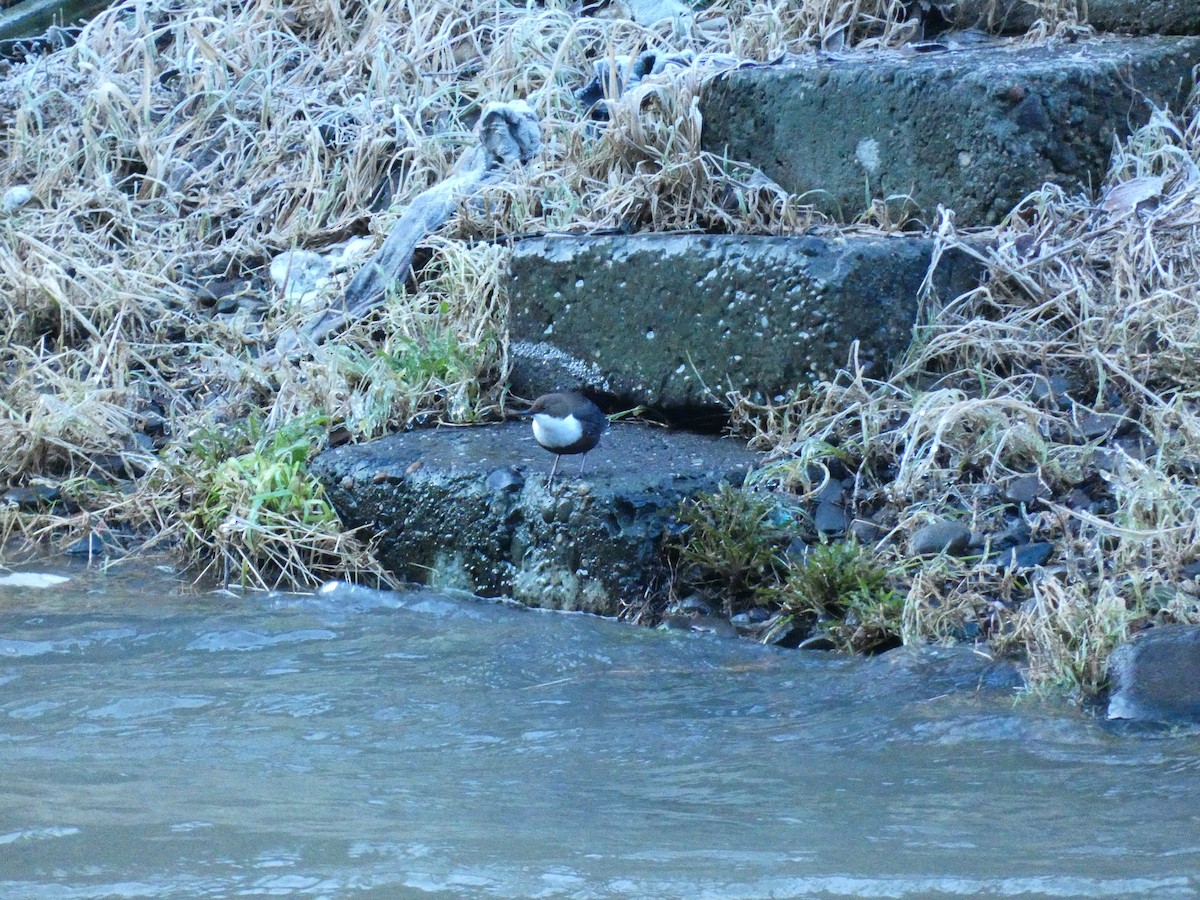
{"x":552,"y":432}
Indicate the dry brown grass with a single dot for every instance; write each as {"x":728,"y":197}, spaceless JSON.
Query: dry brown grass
{"x":176,"y":145}
{"x":172,"y":146}
{"x":1105,"y":295}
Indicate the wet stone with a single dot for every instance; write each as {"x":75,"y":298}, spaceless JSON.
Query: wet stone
{"x":817,"y":642}
{"x":713,"y":625}
{"x":593,"y":542}
{"x":1156,"y":676}
{"x":750,"y":621}
{"x":940,"y":537}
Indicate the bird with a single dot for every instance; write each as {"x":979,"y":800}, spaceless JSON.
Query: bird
{"x":566,"y":423}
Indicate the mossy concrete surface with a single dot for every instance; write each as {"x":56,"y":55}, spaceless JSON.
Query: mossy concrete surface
{"x":676,"y":321}
{"x":468,"y":509}
{"x":975,"y":129}
{"x":1124,"y":16}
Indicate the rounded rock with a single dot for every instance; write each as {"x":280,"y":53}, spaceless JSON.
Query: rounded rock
{"x":943,"y":536}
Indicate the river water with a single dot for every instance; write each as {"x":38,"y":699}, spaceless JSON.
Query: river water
{"x":159,"y":741}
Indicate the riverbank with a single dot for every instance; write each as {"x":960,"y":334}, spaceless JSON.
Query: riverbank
{"x":149,"y":184}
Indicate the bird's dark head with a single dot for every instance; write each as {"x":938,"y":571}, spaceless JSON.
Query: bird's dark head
{"x":563,"y":404}
{"x":540,"y":405}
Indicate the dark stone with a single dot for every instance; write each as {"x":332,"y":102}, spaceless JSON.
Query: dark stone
{"x":784,"y":632}
{"x":1051,"y":392}
{"x":694,"y":604}
{"x":1017,"y":532}
{"x":219,"y":291}
{"x":96,"y":544}
{"x":32,"y":497}
{"x":943,"y":536}
{"x":820,"y":641}
{"x":751,"y":621}
{"x":1155,"y":677}
{"x":506,"y":478}
{"x":830,"y":519}
{"x":1024,"y":489}
{"x":1136,"y":446}
{"x":1094,"y":426}
{"x":833,"y":492}
{"x":1025,"y":556}
{"x":866,"y":532}
{"x":675,"y":321}
{"x":975,"y":130}
{"x":592,"y":543}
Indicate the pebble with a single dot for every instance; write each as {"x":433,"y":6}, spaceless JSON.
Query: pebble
{"x":943,"y":536}
{"x":505,"y":478}
{"x":1024,"y":489}
{"x":15,"y":197}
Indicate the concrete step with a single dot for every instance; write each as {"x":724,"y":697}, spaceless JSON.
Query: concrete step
{"x":676,"y":321}
{"x":1123,"y":16}
{"x":974,"y":129}
{"x":468,"y":509}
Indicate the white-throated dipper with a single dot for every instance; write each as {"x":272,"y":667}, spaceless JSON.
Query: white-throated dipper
{"x":566,"y":423}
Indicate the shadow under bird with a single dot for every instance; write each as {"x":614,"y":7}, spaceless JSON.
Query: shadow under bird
{"x":566,"y":423}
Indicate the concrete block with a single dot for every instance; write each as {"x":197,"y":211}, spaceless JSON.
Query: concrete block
{"x":975,"y":129}
{"x":676,"y":321}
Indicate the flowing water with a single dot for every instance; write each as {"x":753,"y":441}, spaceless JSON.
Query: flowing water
{"x":161,"y":742}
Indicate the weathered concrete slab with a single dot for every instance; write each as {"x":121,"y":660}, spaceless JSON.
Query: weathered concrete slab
{"x":468,"y":508}
{"x":675,"y":321}
{"x":975,"y":129}
{"x":1156,"y":676}
{"x":1123,"y":16}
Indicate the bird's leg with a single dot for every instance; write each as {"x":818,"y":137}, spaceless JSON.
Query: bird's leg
{"x":582,"y":460}
{"x":553,"y":469}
